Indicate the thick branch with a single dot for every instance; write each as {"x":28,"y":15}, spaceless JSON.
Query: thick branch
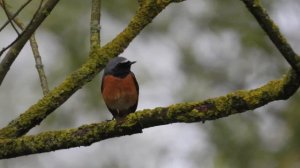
{"x":95,"y":63}
{"x":15,"y":49}
{"x":211,"y":109}
{"x":274,"y":33}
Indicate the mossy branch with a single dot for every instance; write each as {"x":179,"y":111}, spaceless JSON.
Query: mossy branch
{"x":94,"y":64}
{"x":211,"y":109}
{"x":272,"y":30}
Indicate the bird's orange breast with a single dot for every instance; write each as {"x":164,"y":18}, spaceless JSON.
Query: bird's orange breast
{"x":119,"y":93}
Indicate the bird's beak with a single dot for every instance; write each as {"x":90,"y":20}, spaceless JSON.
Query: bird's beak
{"x":133,"y":62}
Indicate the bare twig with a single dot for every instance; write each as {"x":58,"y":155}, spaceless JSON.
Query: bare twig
{"x":38,"y":59}
{"x":15,"y":49}
{"x":36,"y":54}
{"x":3,"y":4}
{"x":95,"y":23}
{"x":38,"y":9}
{"x":39,"y":65}
{"x":14,"y":15}
{"x":274,"y":33}
{"x":12,"y":43}
{"x":7,"y":47}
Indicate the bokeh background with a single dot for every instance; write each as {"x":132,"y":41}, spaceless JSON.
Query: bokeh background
{"x":192,"y":51}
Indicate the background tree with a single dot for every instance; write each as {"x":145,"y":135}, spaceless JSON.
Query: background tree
{"x":196,"y":44}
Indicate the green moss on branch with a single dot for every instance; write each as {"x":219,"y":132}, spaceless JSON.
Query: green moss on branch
{"x":95,"y":63}
{"x":211,"y":109}
{"x":273,"y":33}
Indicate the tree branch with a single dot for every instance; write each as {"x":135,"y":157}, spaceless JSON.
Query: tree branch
{"x":14,"y":15}
{"x":274,"y":33}
{"x":211,"y":109}
{"x":94,"y":64}
{"x":39,"y":65}
{"x":36,"y":54}
{"x":3,"y":4}
{"x":15,"y":49}
{"x":95,"y":24}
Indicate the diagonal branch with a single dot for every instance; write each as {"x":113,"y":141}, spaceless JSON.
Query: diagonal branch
{"x":274,"y":33}
{"x":14,"y":15}
{"x":211,"y":109}
{"x":36,"y":54}
{"x":17,"y":46}
{"x":94,"y":64}
{"x":3,"y":4}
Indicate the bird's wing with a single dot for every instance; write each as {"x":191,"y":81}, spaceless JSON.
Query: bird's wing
{"x":133,"y":108}
{"x":135,"y":82}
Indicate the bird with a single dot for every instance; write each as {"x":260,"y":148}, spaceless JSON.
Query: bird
{"x":119,"y":88}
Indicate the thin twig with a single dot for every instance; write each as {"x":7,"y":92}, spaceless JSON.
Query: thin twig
{"x":17,"y":39}
{"x":39,"y":65}
{"x":19,"y":43}
{"x":7,"y":47}
{"x":95,"y":23}
{"x":14,"y":15}
{"x":9,"y":17}
{"x":37,"y":57}
{"x":38,"y":9}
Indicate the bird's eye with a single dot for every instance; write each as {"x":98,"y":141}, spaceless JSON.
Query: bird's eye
{"x":124,"y":62}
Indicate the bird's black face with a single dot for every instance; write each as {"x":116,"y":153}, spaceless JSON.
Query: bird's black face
{"x":119,"y":67}
{"x":122,"y":68}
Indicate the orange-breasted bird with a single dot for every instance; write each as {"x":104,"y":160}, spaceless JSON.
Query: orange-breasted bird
{"x":119,"y":88}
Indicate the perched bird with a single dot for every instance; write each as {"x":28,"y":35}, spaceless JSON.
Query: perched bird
{"x":119,"y":87}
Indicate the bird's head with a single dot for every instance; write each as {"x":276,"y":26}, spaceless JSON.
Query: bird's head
{"x":118,"y":67}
